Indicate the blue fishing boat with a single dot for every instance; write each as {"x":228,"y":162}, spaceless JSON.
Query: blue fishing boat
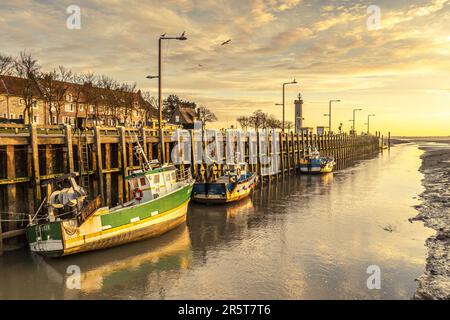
{"x":235,"y":184}
{"x":315,"y":163}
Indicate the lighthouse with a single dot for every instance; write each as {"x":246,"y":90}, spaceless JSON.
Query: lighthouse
{"x":299,"y":114}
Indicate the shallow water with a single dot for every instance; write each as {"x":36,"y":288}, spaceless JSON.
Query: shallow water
{"x":304,"y":237}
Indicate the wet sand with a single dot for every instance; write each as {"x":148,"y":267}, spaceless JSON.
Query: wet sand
{"x":434,"y":211}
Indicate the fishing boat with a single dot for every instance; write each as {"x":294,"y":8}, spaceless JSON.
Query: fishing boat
{"x":315,"y":163}
{"x":235,"y":184}
{"x":73,"y":224}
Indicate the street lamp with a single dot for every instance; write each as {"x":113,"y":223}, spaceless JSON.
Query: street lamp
{"x":284,"y":89}
{"x":354,"y":116}
{"x":161,"y":135}
{"x":368,"y":122}
{"x":329,"y":113}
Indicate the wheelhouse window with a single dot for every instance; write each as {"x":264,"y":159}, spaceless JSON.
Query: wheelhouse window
{"x":156,"y":178}
{"x":143,"y":182}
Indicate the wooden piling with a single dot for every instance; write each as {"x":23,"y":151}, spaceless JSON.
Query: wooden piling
{"x":36,"y":173}
{"x":98,"y":150}
{"x":123,"y":186}
{"x":69,"y":148}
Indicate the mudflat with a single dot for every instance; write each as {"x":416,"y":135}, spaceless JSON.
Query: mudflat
{"x":434,"y":211}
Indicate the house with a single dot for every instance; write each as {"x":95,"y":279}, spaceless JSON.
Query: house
{"x":184,"y":117}
{"x":81,"y":105}
{"x":12,"y":103}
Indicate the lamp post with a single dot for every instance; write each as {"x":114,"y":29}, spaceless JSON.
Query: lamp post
{"x":354,"y":116}
{"x":161,"y":134}
{"x":329,"y":113}
{"x":368,"y":122}
{"x":284,"y":89}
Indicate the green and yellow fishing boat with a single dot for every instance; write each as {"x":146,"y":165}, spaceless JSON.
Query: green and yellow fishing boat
{"x":73,"y":224}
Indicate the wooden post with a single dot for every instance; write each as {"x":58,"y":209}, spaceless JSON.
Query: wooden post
{"x":124,"y":162}
{"x":69,"y":147}
{"x":108,"y":175}
{"x":282,"y":153}
{"x":389,"y":139}
{"x":194,"y":170}
{"x":144,"y":141}
{"x":98,"y":148}
{"x":36,"y":173}
{"x":11,"y":188}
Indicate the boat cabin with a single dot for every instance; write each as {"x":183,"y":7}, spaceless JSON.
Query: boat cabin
{"x":152,"y":184}
{"x":240,"y":171}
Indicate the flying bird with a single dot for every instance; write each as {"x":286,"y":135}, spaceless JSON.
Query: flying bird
{"x":163,"y":35}
{"x":226,"y":42}
{"x":182,"y":35}
{"x":200,"y":65}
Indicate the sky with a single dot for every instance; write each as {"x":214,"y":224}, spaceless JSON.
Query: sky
{"x":395,"y":64}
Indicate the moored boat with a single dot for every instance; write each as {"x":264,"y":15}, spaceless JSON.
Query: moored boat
{"x":315,"y":163}
{"x":73,"y":224}
{"x":236,"y":184}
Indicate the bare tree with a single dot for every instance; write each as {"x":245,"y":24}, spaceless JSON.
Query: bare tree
{"x":244,"y":122}
{"x":6,"y":65}
{"x":62,"y":76}
{"x":27,"y":68}
{"x":76,"y":89}
{"x":149,"y":104}
{"x":272,"y":123}
{"x":110,"y":98}
{"x":258,"y":119}
{"x":129,"y":99}
{"x":206,"y":115}
{"x":90,"y":95}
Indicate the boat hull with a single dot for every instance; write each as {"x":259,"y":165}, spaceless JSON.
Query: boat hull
{"x":219,"y":194}
{"x":317,"y":167}
{"x":62,"y":238}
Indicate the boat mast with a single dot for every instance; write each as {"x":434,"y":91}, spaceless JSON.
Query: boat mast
{"x":146,"y":165}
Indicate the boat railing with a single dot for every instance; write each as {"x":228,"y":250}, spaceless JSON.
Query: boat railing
{"x":184,"y":175}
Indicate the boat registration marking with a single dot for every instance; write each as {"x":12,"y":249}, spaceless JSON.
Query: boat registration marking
{"x":136,"y":219}
{"x":154,"y":213}
{"x":106,"y":227}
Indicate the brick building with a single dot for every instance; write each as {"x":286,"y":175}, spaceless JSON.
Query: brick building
{"x":81,"y":105}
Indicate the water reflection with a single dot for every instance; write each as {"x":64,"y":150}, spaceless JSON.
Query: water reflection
{"x":298,"y":237}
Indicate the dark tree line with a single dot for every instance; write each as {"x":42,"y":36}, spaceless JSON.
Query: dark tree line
{"x":261,"y":120}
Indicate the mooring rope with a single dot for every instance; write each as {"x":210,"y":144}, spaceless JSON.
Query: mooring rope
{"x":39,"y":219}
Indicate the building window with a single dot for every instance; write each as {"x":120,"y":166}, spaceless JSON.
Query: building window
{"x":36,"y":119}
{"x":69,"y":107}
{"x":12,"y":115}
{"x":69,"y":98}
{"x":35,"y":105}
{"x":21,"y":102}
{"x":91,"y":108}
{"x":21,"y":116}
{"x":177,"y":118}
{"x":54,"y":120}
{"x":81,"y":107}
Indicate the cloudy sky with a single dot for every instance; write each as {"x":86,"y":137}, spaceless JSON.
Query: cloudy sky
{"x":400,"y":71}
